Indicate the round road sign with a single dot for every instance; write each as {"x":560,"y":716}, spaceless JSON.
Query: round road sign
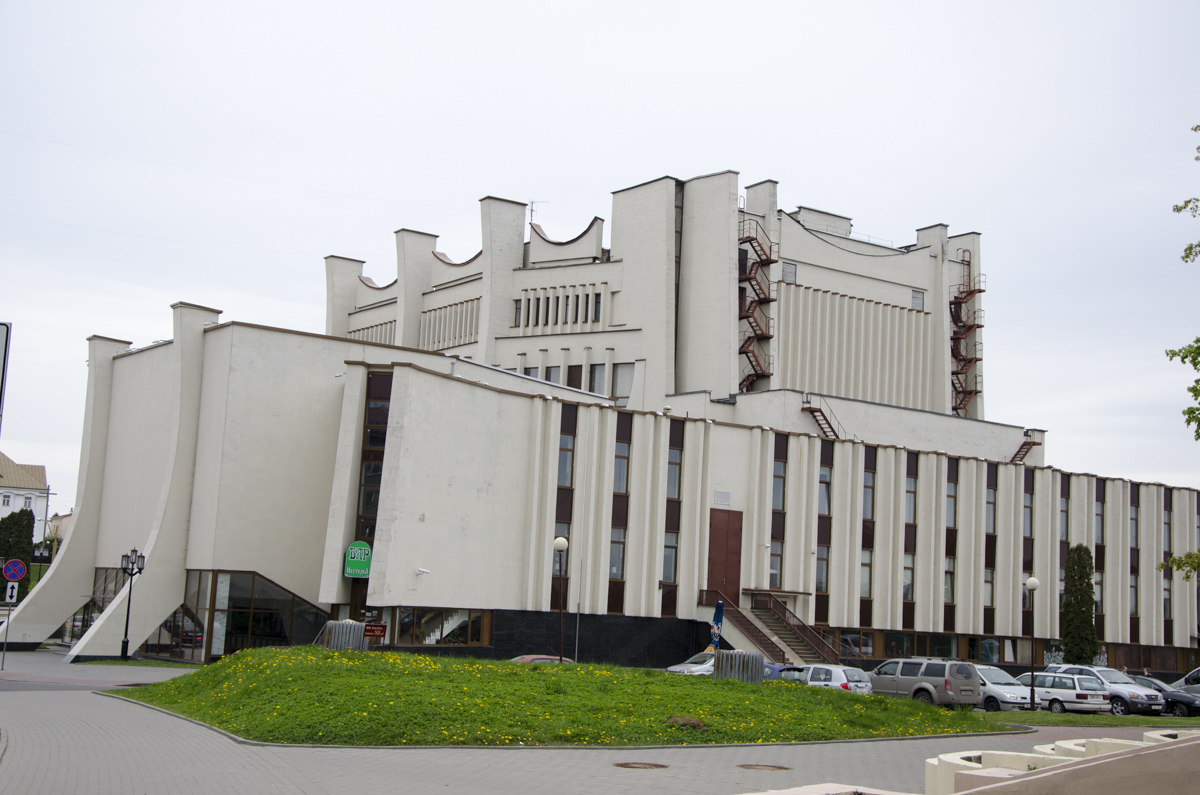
{"x":14,"y":570}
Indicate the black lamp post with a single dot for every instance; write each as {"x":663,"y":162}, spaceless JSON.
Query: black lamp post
{"x":132,"y":564}
{"x":560,"y":548}
{"x":1031,"y":585}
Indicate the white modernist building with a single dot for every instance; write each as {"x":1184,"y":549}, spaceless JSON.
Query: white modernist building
{"x":731,"y":401}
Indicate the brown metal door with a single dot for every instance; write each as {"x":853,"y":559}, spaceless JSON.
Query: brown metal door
{"x":725,"y":553}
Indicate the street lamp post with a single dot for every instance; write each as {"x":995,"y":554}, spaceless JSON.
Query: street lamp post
{"x":132,"y":564}
{"x":560,"y":547}
{"x":1031,"y":585}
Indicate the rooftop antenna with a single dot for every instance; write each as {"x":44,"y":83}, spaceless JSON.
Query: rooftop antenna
{"x":532,"y":202}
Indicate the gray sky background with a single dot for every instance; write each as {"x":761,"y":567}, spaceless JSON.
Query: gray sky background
{"x":213,"y":153}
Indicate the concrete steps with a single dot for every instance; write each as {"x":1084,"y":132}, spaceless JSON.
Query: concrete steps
{"x":797,"y":645}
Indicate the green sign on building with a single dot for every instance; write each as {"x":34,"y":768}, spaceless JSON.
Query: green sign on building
{"x":358,"y":560}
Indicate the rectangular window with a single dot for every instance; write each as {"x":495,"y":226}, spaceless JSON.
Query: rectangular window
{"x":674,"y":464}
{"x":622,"y":383}
{"x":778,"y":483}
{"x":554,"y":375}
{"x":989,"y":587}
{"x":1167,"y":600}
{"x":527,"y":312}
{"x":789,"y":272}
{"x":621,"y":469}
{"x":910,"y":500}
{"x":375,"y":421}
{"x":1098,"y":590}
{"x":1064,"y":508}
{"x":575,"y":316}
{"x":516,"y":311}
{"x":1134,"y":507}
{"x":532,"y":372}
{"x":596,"y":379}
{"x":28,"y":501}
{"x":1026,"y":598}
{"x":948,"y":582}
{"x":918,"y":300}
{"x":566,"y":315}
{"x":1133,"y":594}
{"x":596,"y":308}
{"x":670,"y":548}
{"x":823,"y":486}
{"x":1027,"y":516}
{"x":989,"y":513}
{"x":616,"y":554}
{"x":537,"y":306}
{"x":776,"y":564}
{"x":1166,"y":531}
{"x":865,"y":570}
{"x":909,"y":567}
{"x":561,"y":530}
{"x":566,"y":460}
{"x":951,"y":505}
{"x":1062,"y":587}
{"x":6,"y":499}
{"x":869,"y":495}
{"x":557,"y":301}
{"x":1099,"y":512}
{"x":822,"y":569}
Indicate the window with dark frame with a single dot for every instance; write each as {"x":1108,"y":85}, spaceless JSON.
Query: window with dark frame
{"x":1167,"y":509}
{"x":1099,"y":513}
{"x":620,"y":514}
{"x":596,"y":308}
{"x":670,"y":570}
{"x":778,"y":509}
{"x":1134,"y":507}
{"x":516,"y":311}
{"x":564,"y":502}
{"x":375,"y":421}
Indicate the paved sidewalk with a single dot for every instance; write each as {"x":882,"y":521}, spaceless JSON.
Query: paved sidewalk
{"x":56,"y":740}
{"x":49,"y":666}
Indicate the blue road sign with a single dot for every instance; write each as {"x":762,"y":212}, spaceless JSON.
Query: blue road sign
{"x":14,"y":570}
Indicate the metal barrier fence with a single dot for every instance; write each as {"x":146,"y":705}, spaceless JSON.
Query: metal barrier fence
{"x":744,"y":666}
{"x":342,"y":635}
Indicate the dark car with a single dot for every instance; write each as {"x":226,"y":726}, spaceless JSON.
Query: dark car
{"x":1179,"y":703}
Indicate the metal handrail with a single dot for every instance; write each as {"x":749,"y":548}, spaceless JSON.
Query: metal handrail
{"x":813,"y":638}
{"x":709,"y":597}
{"x":972,"y":284}
{"x":751,"y":231}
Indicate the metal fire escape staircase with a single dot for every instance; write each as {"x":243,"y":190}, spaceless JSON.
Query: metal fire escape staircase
{"x":760,"y":253}
{"x":964,"y":349}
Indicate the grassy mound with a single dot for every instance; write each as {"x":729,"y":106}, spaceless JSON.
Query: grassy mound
{"x":311,"y":695}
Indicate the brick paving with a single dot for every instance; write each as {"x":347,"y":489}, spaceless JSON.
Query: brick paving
{"x":73,"y":741}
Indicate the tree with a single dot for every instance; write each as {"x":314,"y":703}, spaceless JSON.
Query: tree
{"x":16,"y":542}
{"x":1187,"y":564}
{"x":1190,"y":354}
{"x":1079,"y":609}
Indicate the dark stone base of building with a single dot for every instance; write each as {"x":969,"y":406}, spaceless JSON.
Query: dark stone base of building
{"x":620,"y":640}
{"x":25,"y":646}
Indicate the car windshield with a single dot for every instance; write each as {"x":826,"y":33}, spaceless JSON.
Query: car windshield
{"x":997,"y":677}
{"x":1157,"y":684}
{"x":702,"y":657}
{"x":1114,"y":677}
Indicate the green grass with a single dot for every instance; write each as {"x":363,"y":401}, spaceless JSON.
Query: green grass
{"x":1079,"y":719}
{"x":311,"y":695}
{"x":145,"y":663}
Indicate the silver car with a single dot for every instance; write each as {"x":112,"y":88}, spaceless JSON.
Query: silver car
{"x":1125,"y":695}
{"x":1001,"y":691}
{"x":698,"y":665}
{"x":942,"y":682}
{"x":838,"y":676}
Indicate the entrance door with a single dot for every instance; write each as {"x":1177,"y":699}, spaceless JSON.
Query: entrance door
{"x":725,"y":553}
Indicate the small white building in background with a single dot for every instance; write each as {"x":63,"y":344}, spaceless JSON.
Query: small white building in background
{"x":23,"y":486}
{"x":731,"y":401}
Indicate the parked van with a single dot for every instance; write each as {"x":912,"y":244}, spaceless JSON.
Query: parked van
{"x":942,"y":682}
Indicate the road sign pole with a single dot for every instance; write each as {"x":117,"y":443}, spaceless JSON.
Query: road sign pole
{"x":10,"y":596}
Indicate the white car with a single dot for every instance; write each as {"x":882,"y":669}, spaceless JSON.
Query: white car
{"x":1001,"y":691}
{"x":697,"y":665}
{"x":838,"y":676}
{"x":1062,"y":692}
{"x":1125,"y":695}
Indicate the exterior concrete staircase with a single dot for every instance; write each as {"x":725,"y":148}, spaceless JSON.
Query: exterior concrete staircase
{"x":798,"y":650}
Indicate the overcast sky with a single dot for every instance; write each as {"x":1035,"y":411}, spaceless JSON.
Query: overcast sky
{"x":215,"y":152}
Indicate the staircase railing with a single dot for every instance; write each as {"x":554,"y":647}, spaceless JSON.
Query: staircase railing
{"x":745,"y":625}
{"x":810,"y":635}
{"x":751,"y":231}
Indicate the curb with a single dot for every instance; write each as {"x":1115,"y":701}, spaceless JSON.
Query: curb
{"x":1017,"y":729}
